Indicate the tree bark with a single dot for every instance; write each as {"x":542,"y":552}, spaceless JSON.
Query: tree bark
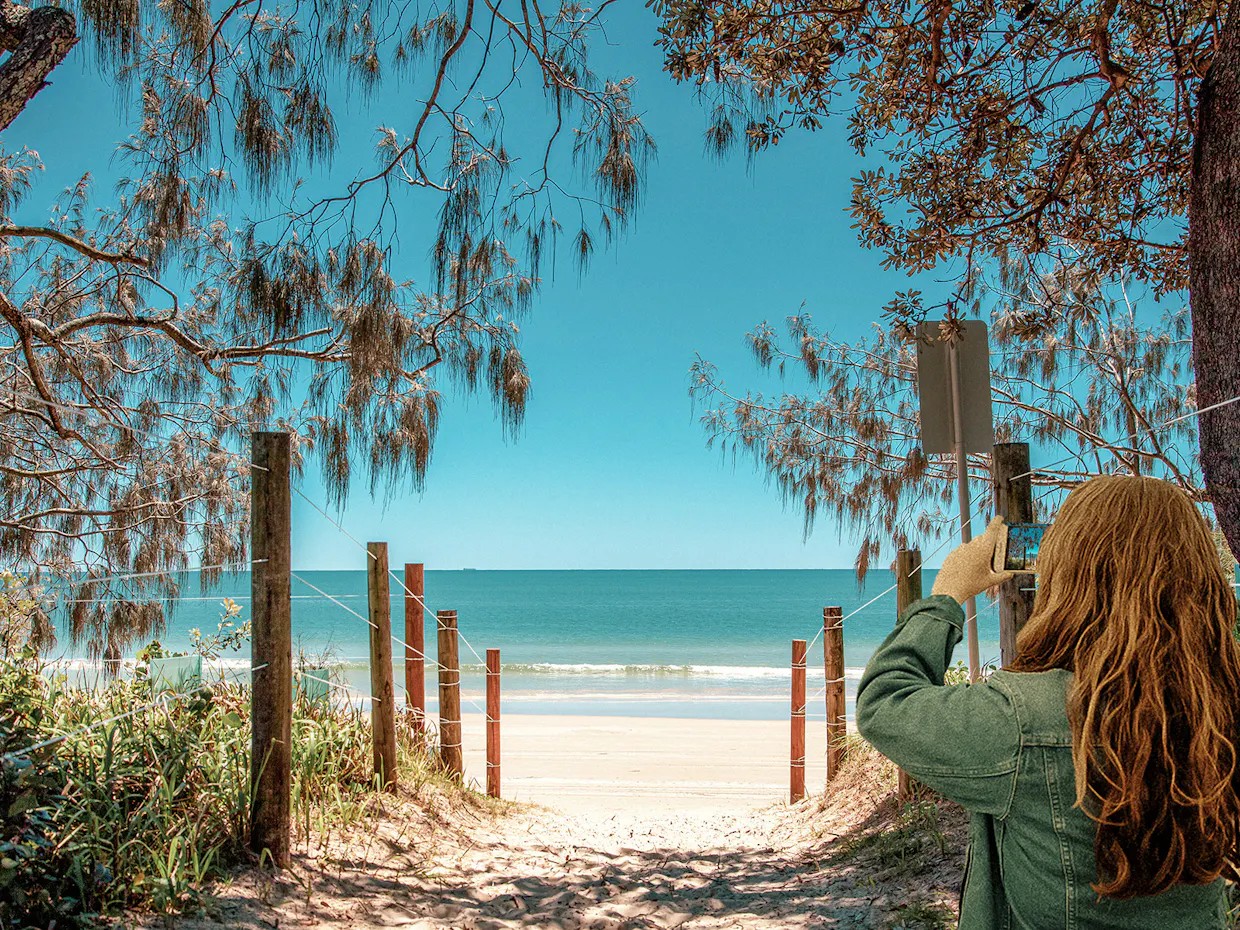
{"x":37,"y":41}
{"x":1214,"y":275}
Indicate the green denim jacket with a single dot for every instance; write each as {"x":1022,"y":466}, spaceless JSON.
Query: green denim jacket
{"x":1003,"y":749}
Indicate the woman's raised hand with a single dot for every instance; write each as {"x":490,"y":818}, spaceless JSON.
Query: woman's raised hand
{"x":967,"y":571}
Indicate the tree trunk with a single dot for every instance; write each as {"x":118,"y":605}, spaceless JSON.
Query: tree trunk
{"x":37,"y":41}
{"x":1214,"y":275}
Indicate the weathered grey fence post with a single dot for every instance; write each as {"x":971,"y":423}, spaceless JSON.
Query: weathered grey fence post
{"x":271,"y":646}
{"x":383,"y":707}
{"x":449,"y":695}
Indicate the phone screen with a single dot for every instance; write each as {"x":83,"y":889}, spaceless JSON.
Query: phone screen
{"x":1023,"y":542}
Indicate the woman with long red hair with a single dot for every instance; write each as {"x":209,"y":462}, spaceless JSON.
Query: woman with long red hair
{"x":1101,"y":767}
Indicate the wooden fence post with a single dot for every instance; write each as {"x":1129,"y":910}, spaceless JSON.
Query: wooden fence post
{"x":383,"y":705}
{"x":449,"y":695}
{"x":796,"y":789}
{"x":271,"y":646}
{"x":415,"y":639}
{"x":908,"y":589}
{"x":1013,"y":502}
{"x":493,"y":723}
{"x":833,"y":668}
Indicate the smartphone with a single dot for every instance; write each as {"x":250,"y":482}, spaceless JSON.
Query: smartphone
{"x":1017,"y":550}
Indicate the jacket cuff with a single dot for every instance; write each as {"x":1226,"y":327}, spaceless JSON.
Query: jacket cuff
{"x":939,"y":606}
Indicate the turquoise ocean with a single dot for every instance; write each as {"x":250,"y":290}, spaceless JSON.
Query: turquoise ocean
{"x":675,"y":643}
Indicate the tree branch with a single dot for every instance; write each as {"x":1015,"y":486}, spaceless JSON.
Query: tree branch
{"x":37,"y":40}
{"x":84,"y":248}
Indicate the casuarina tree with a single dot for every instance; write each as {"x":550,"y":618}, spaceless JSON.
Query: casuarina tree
{"x":1101,"y":136}
{"x":1101,"y":390}
{"x":234,"y":279}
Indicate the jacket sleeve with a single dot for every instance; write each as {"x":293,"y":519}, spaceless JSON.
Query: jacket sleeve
{"x":961,"y":740}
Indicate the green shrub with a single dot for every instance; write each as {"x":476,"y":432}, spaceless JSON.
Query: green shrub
{"x":958,"y":674}
{"x":157,"y":802}
{"x":41,"y":883}
{"x":144,"y":812}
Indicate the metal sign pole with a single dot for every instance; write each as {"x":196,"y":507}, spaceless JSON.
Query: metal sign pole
{"x":962,"y":492}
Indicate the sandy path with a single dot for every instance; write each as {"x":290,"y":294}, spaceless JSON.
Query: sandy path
{"x":607,"y":872}
{"x":538,"y":868}
{"x":642,"y":826}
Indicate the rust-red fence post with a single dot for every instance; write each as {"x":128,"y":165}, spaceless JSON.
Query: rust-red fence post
{"x":415,"y":639}
{"x":493,"y":723}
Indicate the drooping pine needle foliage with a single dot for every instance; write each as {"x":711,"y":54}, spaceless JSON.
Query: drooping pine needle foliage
{"x":145,"y":333}
{"x":1020,"y":137}
{"x":849,"y":443}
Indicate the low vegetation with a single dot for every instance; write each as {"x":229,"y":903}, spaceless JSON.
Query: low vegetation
{"x":145,"y":812}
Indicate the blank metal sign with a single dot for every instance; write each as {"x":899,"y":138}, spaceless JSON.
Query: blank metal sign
{"x":934,"y":389}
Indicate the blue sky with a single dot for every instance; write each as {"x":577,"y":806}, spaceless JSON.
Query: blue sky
{"x":611,"y":469}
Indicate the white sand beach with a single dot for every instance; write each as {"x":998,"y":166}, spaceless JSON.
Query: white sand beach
{"x":643,"y":764}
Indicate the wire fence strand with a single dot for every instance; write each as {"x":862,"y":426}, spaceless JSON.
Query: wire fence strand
{"x":396,"y":639}
{"x":169,"y":699}
{"x":224,"y":566}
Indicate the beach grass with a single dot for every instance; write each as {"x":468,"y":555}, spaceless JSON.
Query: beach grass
{"x":908,"y":853}
{"x":894,"y":838}
{"x":146,"y":812}
{"x":921,"y":915}
{"x":908,"y":844}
